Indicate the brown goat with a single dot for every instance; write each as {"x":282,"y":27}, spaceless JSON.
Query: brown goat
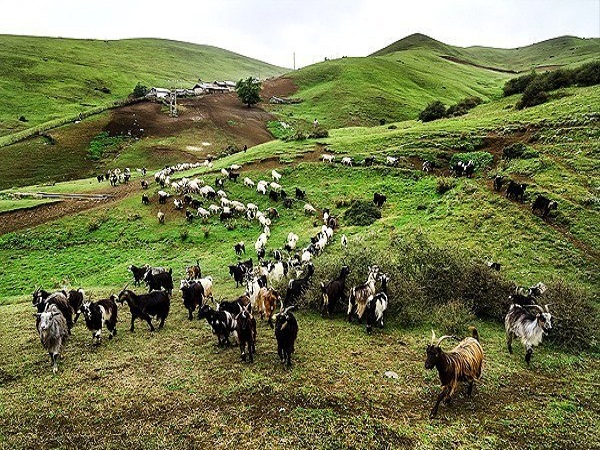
{"x":266,"y":301}
{"x":463,"y":363}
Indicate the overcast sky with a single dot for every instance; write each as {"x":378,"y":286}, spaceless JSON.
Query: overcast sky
{"x":271,"y":30}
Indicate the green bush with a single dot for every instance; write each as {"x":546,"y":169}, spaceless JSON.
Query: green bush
{"x":482,"y":160}
{"x":534,"y":95}
{"x":463,"y":106}
{"x":139,"y":90}
{"x":433,"y":111}
{"x":518,"y":85}
{"x":588,"y":74}
{"x":102,"y":144}
{"x":362,"y":213}
{"x":518,"y":150}
{"x":452,"y":318}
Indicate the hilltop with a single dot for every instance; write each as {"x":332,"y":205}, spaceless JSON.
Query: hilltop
{"x":396,"y":82}
{"x":48,"y":78}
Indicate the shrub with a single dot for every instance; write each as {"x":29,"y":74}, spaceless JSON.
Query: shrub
{"x":452,"y":318}
{"x":318,"y":133}
{"x":575,"y":316}
{"x":518,"y":85}
{"x":23,"y":119}
{"x":444,"y":184}
{"x":588,"y":74}
{"x":463,"y":106}
{"x":482,"y":160}
{"x":139,"y":90}
{"x":433,"y":111}
{"x":102,"y":144}
{"x":518,"y":150}
{"x":362,"y":213}
{"x":534,"y":95}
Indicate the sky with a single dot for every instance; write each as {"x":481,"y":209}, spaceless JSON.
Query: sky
{"x":273,"y":30}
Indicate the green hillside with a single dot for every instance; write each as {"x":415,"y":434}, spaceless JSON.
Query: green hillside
{"x":44,"y":79}
{"x":396,"y":82}
{"x":562,"y":50}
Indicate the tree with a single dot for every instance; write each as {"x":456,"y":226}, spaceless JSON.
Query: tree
{"x":139,"y":90}
{"x":435,"y":110}
{"x":248,"y":91}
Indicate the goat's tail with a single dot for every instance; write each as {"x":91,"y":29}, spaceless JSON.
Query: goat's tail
{"x":474,"y":333}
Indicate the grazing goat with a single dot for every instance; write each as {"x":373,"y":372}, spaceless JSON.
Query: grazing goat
{"x":246,"y":333}
{"x":276,"y":176}
{"x":427,"y":166}
{"x":238,"y":271}
{"x":463,"y":363}
{"x":161,"y":217}
{"x":297,"y":287}
{"x":309,"y":209}
{"x":516,"y":191}
{"x":544,"y":205}
{"x":391,"y":161}
{"x":53,"y":332}
{"x":145,"y":199}
{"x":99,"y":314}
{"x":369,"y":161}
{"x":347,"y":161}
{"x":248,"y":182}
{"x":344,"y":241}
{"x":158,"y":281}
{"x":360,"y":294}
{"x":146,"y":306}
{"x":528,"y":327}
{"x":328,"y":158}
{"x":286,"y":332}
{"x":376,"y":305}
{"x":334,"y":291}
{"x":162,"y":197}
{"x":192,"y":293}
{"x":239,"y":248}
{"x":144,"y":184}
{"x":378,"y":199}
{"x":300,"y":194}
{"x":223,"y":324}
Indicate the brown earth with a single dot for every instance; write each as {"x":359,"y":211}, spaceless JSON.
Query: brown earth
{"x":278,"y":87}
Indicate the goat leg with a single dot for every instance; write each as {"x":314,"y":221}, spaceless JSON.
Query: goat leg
{"x":528,"y":355}
{"x":509,"y":339}
{"x":442,"y":395}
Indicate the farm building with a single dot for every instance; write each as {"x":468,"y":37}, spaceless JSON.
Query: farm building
{"x":158,"y":92}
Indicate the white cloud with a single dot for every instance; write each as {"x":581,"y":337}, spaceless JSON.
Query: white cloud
{"x":272,"y":30}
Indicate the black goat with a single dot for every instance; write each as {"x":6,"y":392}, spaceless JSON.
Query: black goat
{"x":145,"y":199}
{"x":239,"y":248}
{"x":138,"y":273}
{"x":544,"y":205}
{"x":300,"y":194}
{"x":286,"y":332}
{"x":222,"y":323}
{"x":334,"y":291}
{"x":378,"y":199}
{"x":42,"y":300}
{"x":192,"y":293}
{"x":145,"y":306}
{"x":516,"y":191}
{"x":246,"y":332}
{"x":158,"y":281}
{"x":297,"y":287}
{"x":234,"y":307}
{"x":498,"y":182}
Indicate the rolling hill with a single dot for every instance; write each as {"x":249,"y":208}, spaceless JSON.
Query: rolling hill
{"x":43,"y":79}
{"x":396,"y":82}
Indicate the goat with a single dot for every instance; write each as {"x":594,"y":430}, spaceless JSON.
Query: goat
{"x":360,"y":294}
{"x":274,"y":195}
{"x":100,"y":313}
{"x":158,"y":281}
{"x":297,"y":287}
{"x":516,"y":191}
{"x":544,"y":205}
{"x":286,"y":332}
{"x":391,"y":161}
{"x":248,"y":182}
{"x":138,"y":273}
{"x":376,"y":305}
{"x":161,"y":217}
{"x":233,"y":176}
{"x":276,"y":176}
{"x":344,"y":241}
{"x":334,"y":291}
{"x":53,"y":332}
{"x":223,"y":324}
{"x":379,"y":199}
{"x":145,"y":199}
{"x":146,"y":306}
{"x":328,"y":158}
{"x":239,"y":248}
{"x":369,"y":161}
{"x":309,"y":209}
{"x":162,"y":197}
{"x":266,"y":301}
{"x":75,"y":299}
{"x":193,"y":272}
{"x":246,"y":332}
{"x":189,"y":216}
{"x":192,"y":293}
{"x":463,"y":363}
{"x":528,"y":327}
{"x":300,"y":194}
{"x":234,"y":307}
{"x":347,"y":161}
{"x":498,"y":182}
{"x":42,"y":300}
{"x":427,"y":166}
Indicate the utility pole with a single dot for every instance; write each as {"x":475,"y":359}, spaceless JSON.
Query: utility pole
{"x":294,"y":60}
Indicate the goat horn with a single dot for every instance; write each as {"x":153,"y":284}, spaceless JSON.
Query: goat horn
{"x":546,"y":306}
{"x":534,"y":306}
{"x":432,"y":337}
{"x":444,"y":337}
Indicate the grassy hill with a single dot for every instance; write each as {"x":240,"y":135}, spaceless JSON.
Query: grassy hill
{"x":396,"y":82}
{"x":44,"y":79}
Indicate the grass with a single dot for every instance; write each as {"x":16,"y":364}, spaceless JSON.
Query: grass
{"x":48,"y":78}
{"x":7,"y":205}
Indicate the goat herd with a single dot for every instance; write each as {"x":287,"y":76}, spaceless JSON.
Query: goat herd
{"x":57,"y":312}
